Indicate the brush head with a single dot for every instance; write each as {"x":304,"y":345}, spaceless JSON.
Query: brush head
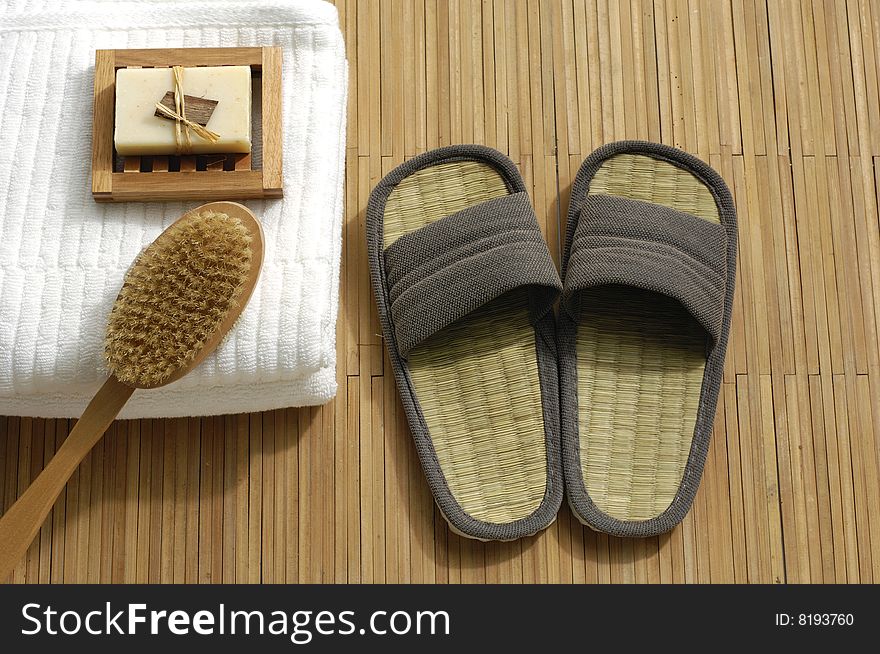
{"x":182,"y":294}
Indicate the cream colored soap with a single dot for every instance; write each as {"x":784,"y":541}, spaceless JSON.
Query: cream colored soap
{"x":139,"y":132}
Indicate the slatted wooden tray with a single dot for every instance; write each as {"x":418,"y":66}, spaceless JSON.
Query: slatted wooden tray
{"x":192,"y":177}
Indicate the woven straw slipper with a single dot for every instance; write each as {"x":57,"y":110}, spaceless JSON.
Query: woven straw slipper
{"x":464,"y":286}
{"x":648,"y":264}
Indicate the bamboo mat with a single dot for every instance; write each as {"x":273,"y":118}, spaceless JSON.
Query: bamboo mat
{"x":780,"y":96}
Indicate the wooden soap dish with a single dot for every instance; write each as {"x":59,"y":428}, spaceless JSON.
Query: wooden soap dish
{"x":191,"y":177}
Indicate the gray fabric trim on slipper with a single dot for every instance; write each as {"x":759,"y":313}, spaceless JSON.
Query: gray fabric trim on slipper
{"x":446,"y":270}
{"x":413,"y":261}
{"x":632,"y":243}
{"x":622,"y":241}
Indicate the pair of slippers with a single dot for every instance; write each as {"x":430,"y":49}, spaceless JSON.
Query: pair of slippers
{"x":614,"y":400}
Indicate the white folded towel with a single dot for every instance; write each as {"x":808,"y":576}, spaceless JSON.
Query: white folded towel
{"x":63,"y":256}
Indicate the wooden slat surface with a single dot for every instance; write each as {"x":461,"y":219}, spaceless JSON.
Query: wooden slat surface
{"x":779,"y":96}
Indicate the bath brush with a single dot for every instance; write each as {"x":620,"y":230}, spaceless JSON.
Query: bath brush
{"x":180,"y":297}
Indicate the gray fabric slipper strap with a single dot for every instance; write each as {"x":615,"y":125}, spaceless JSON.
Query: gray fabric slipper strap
{"x":449,"y":268}
{"x":649,"y":246}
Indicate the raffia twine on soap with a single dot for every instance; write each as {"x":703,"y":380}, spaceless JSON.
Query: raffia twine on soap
{"x":182,"y":125}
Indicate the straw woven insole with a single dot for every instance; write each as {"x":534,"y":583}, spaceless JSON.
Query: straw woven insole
{"x":640,"y":358}
{"x":476,"y":380}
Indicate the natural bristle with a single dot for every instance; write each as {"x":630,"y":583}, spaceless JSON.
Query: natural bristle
{"x":176,"y":296}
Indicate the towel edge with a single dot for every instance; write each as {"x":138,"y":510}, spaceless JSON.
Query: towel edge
{"x":316,"y":389}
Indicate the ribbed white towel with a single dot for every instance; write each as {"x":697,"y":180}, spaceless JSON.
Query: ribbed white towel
{"x":63,"y":257}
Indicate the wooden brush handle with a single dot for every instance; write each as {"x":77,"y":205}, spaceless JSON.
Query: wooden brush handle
{"x":22,"y":522}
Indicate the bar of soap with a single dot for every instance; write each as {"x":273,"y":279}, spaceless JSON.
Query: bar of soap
{"x":139,"y":132}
